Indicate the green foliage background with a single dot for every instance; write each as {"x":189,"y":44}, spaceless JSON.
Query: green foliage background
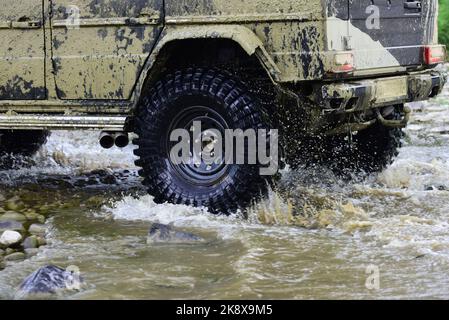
{"x":444,"y":22}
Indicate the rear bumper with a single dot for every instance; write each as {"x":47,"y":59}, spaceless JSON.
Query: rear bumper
{"x":357,"y":95}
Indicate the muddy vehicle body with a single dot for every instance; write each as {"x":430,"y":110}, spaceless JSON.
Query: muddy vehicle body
{"x":332,"y":75}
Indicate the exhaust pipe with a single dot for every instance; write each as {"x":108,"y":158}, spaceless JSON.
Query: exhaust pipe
{"x":121,"y":139}
{"x":106,"y":140}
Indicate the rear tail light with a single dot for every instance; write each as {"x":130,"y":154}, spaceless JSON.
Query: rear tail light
{"x":434,"y":54}
{"x":342,"y":62}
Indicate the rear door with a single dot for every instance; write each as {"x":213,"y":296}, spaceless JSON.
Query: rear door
{"x":388,"y":33}
{"x":22,"y":50}
{"x":99,"y":47}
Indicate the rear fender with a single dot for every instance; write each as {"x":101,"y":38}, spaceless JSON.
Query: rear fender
{"x":243,"y":36}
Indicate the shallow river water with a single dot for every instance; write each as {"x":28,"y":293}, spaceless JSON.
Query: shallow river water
{"x":396,"y":223}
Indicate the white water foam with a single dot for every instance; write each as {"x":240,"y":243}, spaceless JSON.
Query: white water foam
{"x":145,"y":209}
{"x":80,"y":150}
{"x":73,"y":153}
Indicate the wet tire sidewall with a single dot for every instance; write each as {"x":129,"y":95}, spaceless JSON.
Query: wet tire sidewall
{"x":228,"y":97}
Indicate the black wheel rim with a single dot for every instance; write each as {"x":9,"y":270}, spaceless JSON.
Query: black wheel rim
{"x":196,"y":171}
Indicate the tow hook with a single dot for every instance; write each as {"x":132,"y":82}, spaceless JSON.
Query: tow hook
{"x":395,"y":123}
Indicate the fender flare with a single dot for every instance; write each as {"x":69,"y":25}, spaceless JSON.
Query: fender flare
{"x":243,"y":36}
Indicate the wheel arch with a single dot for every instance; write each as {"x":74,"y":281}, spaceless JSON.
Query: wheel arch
{"x":243,"y":38}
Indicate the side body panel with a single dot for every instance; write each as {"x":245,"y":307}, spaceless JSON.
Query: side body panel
{"x":22,"y":50}
{"x":292,"y":31}
{"x":99,"y":47}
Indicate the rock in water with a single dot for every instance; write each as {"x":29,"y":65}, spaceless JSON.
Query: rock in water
{"x":10,"y":237}
{"x":15,"y":256}
{"x":37,"y":229}
{"x":161,"y":233}
{"x":30,"y":243}
{"x":47,"y":281}
{"x":11,"y":225}
{"x":14,"y":216}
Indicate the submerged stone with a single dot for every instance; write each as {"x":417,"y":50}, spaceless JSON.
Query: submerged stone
{"x":11,"y":225}
{"x":13,"y":216}
{"x":41,"y":241}
{"x":30,"y":242}
{"x":37,"y":229}
{"x":47,"y":281}
{"x":31,"y":252}
{"x":16,"y":256}
{"x":8,"y":251}
{"x":14,"y":204}
{"x":160,"y":233}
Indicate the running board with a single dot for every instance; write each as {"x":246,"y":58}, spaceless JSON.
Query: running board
{"x":61,"y":122}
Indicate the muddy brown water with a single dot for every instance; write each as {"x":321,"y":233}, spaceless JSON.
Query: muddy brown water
{"x":395,"y":222}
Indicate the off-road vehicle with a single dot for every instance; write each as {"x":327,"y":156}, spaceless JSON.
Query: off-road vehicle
{"x":333,"y":76}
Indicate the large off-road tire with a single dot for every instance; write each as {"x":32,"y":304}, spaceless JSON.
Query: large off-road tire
{"x":220,"y":101}
{"x":17,"y":145}
{"x":22,"y":142}
{"x":365,"y":152}
{"x":370,"y":151}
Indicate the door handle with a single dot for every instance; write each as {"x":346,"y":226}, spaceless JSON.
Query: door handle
{"x":413,"y":5}
{"x":26,"y":24}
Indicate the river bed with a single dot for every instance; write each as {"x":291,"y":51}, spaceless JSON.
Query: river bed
{"x":396,"y":223}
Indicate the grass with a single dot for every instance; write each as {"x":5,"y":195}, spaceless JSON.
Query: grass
{"x":444,"y":22}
